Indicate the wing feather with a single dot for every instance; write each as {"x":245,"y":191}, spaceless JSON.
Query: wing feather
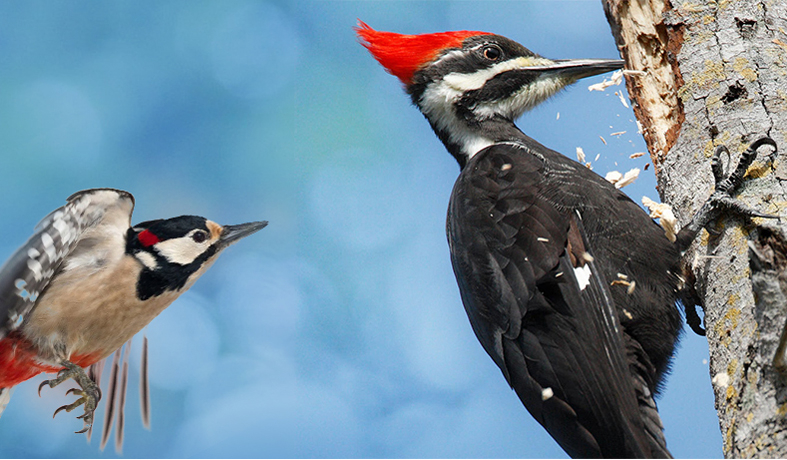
{"x":27,"y":273}
{"x":559,"y":344}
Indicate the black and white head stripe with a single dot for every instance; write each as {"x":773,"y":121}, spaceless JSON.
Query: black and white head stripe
{"x":28,"y":272}
{"x":171,"y":250}
{"x":490,"y":77}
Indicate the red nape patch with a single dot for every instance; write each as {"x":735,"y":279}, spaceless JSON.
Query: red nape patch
{"x":147,"y":238}
{"x":402,"y":55}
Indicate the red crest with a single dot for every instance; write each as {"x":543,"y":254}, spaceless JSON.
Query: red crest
{"x":402,"y":55}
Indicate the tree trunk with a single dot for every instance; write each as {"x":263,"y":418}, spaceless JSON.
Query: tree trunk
{"x":716,"y":74}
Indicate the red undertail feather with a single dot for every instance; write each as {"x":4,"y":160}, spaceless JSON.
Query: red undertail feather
{"x":19,"y":361}
{"x":402,"y":55}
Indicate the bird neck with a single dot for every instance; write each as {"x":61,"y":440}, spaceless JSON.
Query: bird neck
{"x":468,"y":136}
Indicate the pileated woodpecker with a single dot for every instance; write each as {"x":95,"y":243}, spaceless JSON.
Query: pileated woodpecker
{"x":537,"y":239}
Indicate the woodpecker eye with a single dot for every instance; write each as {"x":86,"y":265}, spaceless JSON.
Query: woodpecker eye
{"x":492,"y":53}
{"x":199,"y":237}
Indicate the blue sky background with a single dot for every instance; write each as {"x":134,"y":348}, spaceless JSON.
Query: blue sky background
{"x":338,"y":330}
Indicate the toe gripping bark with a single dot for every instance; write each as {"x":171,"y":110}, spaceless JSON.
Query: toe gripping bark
{"x":89,"y":395}
{"x":721,"y":201}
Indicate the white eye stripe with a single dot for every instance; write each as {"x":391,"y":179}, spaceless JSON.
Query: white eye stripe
{"x":183,"y":250}
{"x":476,"y":80}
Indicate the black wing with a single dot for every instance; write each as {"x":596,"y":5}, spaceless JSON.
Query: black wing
{"x":541,"y":308}
{"x":27,"y":273}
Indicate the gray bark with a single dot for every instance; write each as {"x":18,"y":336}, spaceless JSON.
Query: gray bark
{"x":717,"y":75}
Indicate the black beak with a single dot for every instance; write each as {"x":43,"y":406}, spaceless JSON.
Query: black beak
{"x":575,"y":69}
{"x":233,"y":233}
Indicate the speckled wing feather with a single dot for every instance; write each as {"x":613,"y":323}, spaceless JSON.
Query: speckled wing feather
{"x":540,"y":306}
{"x":27,"y":273}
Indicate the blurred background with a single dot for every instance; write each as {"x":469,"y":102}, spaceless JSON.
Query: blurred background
{"x":338,"y":330}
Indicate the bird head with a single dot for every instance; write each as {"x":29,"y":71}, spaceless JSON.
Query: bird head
{"x":461,"y":79}
{"x":175,"y":252}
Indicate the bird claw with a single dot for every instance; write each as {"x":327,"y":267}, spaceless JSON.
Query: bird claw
{"x":722,"y":199}
{"x":735,"y":179}
{"x":89,"y":395}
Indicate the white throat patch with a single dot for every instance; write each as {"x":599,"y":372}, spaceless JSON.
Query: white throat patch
{"x":437,"y":103}
{"x":147,"y":259}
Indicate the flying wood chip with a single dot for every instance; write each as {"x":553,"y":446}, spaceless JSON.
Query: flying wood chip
{"x":663,"y":212}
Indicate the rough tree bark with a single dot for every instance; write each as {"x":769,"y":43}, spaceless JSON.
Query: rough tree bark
{"x":716,"y":73}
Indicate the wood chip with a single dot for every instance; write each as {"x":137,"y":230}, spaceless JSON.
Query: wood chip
{"x":663,"y":212}
{"x":547,"y":393}
{"x":613,"y":176}
{"x":622,"y":99}
{"x":580,"y":155}
{"x":634,"y":73}
{"x":630,"y":176}
{"x":621,"y":180}
{"x":603,"y":140}
{"x":618,"y":133}
{"x":630,"y":285}
{"x":636,"y":155}
{"x":615,"y":79}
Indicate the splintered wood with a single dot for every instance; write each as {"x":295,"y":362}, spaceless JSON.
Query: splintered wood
{"x":621,"y":180}
{"x":663,"y":212}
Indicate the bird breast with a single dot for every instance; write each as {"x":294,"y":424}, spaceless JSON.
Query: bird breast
{"x":92,"y":312}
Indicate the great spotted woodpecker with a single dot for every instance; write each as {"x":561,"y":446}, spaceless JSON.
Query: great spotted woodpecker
{"x":87,"y":281}
{"x":537,"y":241}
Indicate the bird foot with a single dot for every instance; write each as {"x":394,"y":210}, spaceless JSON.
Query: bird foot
{"x":89,"y":395}
{"x":721,"y":199}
